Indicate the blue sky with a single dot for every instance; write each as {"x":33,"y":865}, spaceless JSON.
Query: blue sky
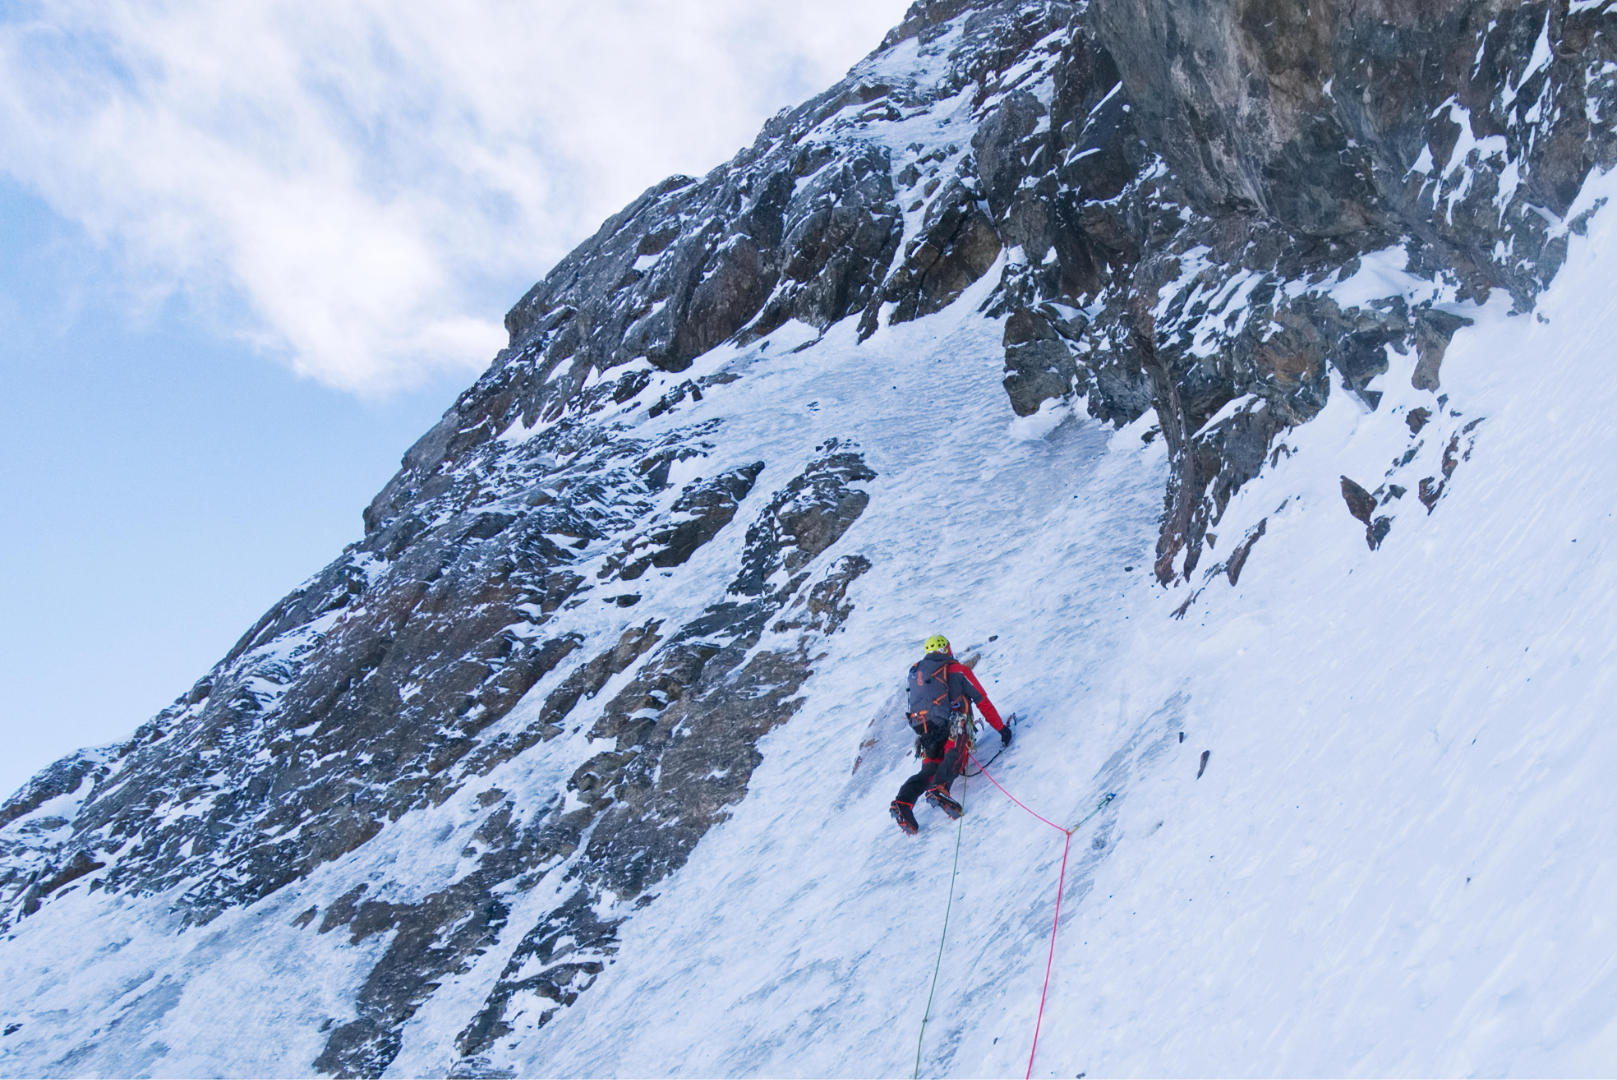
{"x":165,"y":485}
{"x":249,"y":253}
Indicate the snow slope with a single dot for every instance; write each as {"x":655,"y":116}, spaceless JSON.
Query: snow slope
{"x":1396,"y":862}
{"x":1393,"y":863}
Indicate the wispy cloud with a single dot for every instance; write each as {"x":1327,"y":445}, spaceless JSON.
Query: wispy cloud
{"x":363,"y":181}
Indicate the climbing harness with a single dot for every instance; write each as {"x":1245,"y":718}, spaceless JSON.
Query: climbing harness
{"x":963,"y":730}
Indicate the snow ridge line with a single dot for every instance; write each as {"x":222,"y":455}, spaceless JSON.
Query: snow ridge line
{"x":1055,"y":925}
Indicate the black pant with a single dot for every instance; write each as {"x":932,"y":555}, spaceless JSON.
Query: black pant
{"x":940,"y":764}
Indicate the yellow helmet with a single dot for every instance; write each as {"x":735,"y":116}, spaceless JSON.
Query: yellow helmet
{"x":936,"y":643}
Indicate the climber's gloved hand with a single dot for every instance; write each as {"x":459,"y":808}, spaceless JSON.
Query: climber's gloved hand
{"x":1005,"y":736}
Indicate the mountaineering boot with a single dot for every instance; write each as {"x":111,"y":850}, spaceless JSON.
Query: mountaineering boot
{"x":941,"y":800}
{"x":906,"y":820}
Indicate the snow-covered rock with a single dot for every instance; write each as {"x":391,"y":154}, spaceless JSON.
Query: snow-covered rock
{"x":1045,"y":307}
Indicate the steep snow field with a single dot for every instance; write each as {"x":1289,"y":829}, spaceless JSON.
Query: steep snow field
{"x":1397,"y":861}
{"x":1394,"y":863}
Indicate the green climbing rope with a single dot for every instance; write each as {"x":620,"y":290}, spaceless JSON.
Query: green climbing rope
{"x":927,"y":1015}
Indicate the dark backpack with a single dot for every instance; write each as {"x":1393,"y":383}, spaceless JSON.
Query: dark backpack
{"x":931,"y":702}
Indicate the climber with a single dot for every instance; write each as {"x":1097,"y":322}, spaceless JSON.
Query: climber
{"x":942,"y":691}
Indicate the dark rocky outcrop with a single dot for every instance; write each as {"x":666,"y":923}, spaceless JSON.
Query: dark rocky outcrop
{"x":1165,"y":201}
{"x":1174,"y":189}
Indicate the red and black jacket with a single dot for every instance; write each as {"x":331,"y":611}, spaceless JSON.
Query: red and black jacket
{"x":939,"y":687}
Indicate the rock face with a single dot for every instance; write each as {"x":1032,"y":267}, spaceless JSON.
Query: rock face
{"x":1177,"y":191}
{"x":1300,"y":141}
{"x":1213,"y":214}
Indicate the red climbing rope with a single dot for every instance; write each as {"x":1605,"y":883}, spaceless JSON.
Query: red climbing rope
{"x":1051,"y":959}
{"x":1011,"y":797}
{"x":1061,"y":884}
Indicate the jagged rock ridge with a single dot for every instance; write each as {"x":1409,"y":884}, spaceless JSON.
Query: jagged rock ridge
{"x":1204,"y":212}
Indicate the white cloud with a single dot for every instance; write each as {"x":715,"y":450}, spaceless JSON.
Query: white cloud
{"x":366,"y":179}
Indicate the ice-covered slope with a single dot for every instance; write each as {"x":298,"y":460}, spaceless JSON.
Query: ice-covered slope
{"x":1394,"y":864}
{"x":553,"y":771}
